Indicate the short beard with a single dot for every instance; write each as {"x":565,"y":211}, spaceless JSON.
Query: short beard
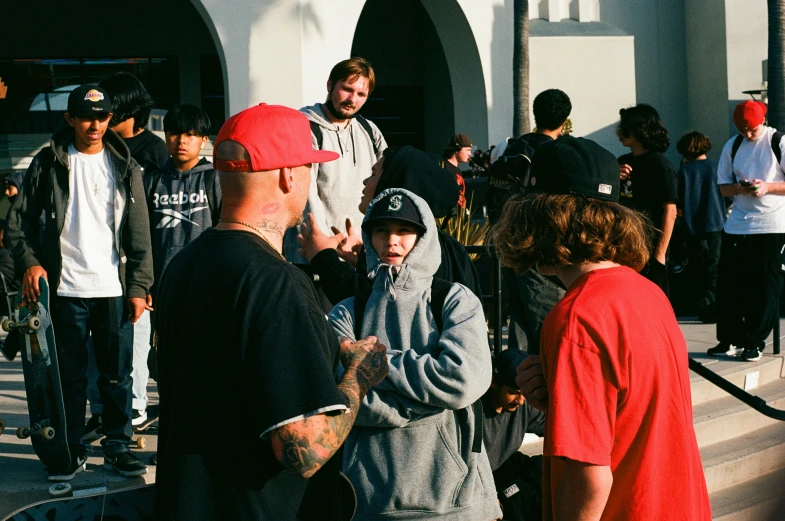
{"x":331,"y":107}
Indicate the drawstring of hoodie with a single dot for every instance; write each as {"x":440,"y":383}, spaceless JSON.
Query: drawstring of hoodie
{"x":389,"y":280}
{"x":340,"y":142}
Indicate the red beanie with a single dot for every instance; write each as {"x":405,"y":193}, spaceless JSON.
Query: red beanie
{"x":749,"y":114}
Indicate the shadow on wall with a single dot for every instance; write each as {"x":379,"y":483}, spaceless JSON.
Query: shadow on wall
{"x":308,"y":18}
{"x":501,"y":110}
{"x":606,"y":137}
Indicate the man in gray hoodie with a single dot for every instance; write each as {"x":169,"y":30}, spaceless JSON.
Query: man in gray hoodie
{"x":337,"y":125}
{"x":416,"y":447}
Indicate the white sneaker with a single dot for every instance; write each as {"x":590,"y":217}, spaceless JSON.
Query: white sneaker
{"x":138,"y":417}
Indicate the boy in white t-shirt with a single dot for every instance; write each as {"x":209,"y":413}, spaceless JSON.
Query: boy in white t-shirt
{"x":94,"y":250}
{"x":750,"y":278}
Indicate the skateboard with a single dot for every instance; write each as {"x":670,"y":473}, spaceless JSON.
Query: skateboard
{"x":47,"y":429}
{"x":69,"y":504}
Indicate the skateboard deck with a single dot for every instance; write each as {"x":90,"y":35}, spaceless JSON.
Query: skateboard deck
{"x":47,"y":430}
{"x":130,"y":504}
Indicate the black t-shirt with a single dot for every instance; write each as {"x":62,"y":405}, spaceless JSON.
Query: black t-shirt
{"x":503,"y":432}
{"x":536,"y":140}
{"x":243,"y":347}
{"x":148,"y":150}
{"x":651,"y":185}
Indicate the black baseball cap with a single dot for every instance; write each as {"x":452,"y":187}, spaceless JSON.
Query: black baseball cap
{"x":396,"y":206}
{"x":576,"y":166}
{"x":86,"y":100}
{"x":505,"y":366}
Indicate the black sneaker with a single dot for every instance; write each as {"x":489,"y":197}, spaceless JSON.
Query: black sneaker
{"x":723,"y":349}
{"x":125,"y":464}
{"x":78,"y":464}
{"x":94,"y":430}
{"x":751,"y":354}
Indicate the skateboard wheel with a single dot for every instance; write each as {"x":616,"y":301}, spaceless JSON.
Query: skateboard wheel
{"x":22,"y":433}
{"x":7,"y":325}
{"x":60,"y":489}
{"x":141,"y":443}
{"x":2,"y":426}
{"x":34,"y":323}
{"x":48,"y":433}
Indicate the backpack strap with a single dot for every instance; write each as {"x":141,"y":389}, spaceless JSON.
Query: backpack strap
{"x":360,"y":301}
{"x":775,"y":147}
{"x":366,"y":125}
{"x":439,"y":290}
{"x":316,"y":130}
{"x":735,"y":148}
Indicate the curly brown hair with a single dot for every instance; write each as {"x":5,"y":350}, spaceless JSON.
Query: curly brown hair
{"x":564,"y":230}
{"x":692,"y":145}
{"x":644,"y":124}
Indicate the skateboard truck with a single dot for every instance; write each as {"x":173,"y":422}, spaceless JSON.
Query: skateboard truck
{"x":31,"y":324}
{"x":47,"y":432}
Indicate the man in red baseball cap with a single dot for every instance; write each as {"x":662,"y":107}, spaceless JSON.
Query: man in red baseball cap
{"x":242,"y":338}
{"x":750,"y":278}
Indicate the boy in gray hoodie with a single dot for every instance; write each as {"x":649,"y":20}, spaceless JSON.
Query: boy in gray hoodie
{"x":414,"y":451}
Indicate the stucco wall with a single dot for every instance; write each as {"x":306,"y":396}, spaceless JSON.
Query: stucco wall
{"x":597,"y":73}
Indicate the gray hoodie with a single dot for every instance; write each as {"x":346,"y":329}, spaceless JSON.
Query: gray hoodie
{"x":410,"y":455}
{"x":336,"y":186}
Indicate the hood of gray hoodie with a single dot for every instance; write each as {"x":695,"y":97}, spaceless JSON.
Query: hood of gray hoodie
{"x":416,"y":272}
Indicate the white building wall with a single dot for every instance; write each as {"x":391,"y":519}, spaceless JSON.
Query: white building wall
{"x":597,"y":73}
{"x":747,"y":32}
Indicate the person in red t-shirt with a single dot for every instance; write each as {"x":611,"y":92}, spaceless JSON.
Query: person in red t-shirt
{"x":619,"y":438}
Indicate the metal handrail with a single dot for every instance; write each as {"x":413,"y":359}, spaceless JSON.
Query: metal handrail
{"x":756,"y":402}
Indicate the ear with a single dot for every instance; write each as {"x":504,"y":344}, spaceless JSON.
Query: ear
{"x":286,"y":179}
{"x":329,"y":86}
{"x":69,"y":119}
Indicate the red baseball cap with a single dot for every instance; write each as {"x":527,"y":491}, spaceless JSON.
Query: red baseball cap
{"x":274,"y":136}
{"x":749,"y":114}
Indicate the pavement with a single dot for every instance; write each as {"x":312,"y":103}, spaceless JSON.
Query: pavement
{"x":23,"y":480}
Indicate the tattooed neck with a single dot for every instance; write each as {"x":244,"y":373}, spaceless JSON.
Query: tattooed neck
{"x":270,"y":226}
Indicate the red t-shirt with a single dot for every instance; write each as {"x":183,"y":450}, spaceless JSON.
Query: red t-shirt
{"x":615,"y":363}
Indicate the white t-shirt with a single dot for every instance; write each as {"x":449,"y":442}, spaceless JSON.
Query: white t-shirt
{"x":754,"y":160}
{"x":87,"y":242}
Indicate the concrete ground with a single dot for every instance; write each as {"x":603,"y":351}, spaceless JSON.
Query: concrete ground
{"x":23,"y":480}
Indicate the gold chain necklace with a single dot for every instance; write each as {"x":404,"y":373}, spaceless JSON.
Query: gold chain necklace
{"x":257,"y":230}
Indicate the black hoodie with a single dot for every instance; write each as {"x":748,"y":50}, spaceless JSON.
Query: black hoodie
{"x":415,"y":171}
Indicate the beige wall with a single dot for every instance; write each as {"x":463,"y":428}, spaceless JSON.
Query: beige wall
{"x":597,"y":73}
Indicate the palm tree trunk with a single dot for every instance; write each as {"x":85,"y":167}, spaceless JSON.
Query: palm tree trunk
{"x":520,"y":68}
{"x":776,"y":72}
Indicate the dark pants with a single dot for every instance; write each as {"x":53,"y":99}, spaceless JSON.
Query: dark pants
{"x":658,"y":274}
{"x":704,"y":254}
{"x":530,"y":297}
{"x":74,"y":320}
{"x":748,"y":288}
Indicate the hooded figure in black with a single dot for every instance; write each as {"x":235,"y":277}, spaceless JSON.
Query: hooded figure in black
{"x":413,"y":170}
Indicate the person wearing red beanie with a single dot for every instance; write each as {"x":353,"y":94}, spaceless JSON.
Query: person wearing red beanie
{"x":751,"y":277}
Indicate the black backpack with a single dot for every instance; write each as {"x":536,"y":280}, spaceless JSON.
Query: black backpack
{"x":775,"y":148}
{"x":509,"y":175}
{"x":439,"y":290}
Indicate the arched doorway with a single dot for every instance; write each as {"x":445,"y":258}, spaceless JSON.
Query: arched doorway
{"x":429,"y":77}
{"x":52,"y":49}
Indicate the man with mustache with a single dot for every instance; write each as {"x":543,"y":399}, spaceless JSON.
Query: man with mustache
{"x":336,"y":125}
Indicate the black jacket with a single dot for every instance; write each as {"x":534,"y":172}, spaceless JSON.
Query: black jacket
{"x":46,"y":189}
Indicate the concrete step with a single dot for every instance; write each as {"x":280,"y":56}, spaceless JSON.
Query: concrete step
{"x":730,"y":463}
{"x":760,"y":499}
{"x":745,"y":375}
{"x":726,"y":418}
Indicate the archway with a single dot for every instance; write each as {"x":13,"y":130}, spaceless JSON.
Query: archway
{"x":166,"y":44}
{"x":429,"y":76}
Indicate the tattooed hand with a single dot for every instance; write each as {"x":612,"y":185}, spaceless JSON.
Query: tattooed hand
{"x":367,"y":357}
